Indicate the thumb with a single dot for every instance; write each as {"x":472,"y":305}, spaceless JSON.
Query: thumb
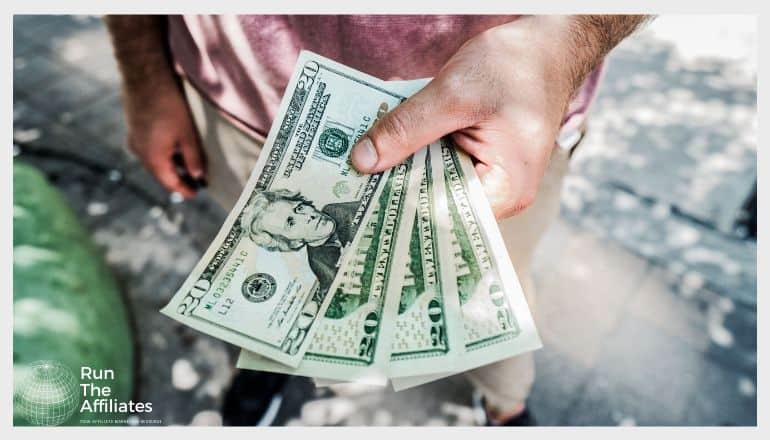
{"x":415,"y":123}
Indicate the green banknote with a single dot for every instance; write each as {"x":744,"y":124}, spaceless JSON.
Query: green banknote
{"x":496,"y":320}
{"x":353,"y":338}
{"x":267,"y":276}
{"x":427,"y":335}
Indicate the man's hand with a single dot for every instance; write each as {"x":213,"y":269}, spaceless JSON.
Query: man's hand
{"x":503,"y":97}
{"x":160,"y":126}
{"x":159,"y":122}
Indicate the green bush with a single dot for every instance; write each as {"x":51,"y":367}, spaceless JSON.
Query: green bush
{"x":66,"y":303}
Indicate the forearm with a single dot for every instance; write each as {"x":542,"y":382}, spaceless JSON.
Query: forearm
{"x":593,"y":36}
{"x":560,"y":50}
{"x":140,"y":48}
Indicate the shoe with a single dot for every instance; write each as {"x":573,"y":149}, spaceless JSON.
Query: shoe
{"x":253,"y":399}
{"x":525,"y":418}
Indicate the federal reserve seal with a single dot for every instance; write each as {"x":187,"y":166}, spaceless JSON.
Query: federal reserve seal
{"x":333,"y":142}
{"x":259,"y":287}
{"x":340,"y":189}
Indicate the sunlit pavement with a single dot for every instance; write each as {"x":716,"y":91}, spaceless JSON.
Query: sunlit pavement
{"x":645,"y":290}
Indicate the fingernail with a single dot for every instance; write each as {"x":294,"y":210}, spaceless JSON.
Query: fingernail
{"x":364,"y":156}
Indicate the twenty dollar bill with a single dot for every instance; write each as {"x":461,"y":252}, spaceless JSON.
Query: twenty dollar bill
{"x":354,"y":336}
{"x":267,"y":276}
{"x":496,"y":320}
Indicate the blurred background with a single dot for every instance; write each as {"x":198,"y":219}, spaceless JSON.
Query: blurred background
{"x":646,"y":283}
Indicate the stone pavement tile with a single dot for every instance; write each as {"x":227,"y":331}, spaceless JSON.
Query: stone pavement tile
{"x":116,"y":137}
{"x":579,"y":298}
{"x":732,"y":327}
{"x":661,"y":367}
{"x":199,"y":219}
{"x":103,"y":67}
{"x":32,"y":21}
{"x":101,"y":123}
{"x":46,"y":30}
{"x":725,"y":397}
{"x":82,"y":47}
{"x":664,"y":116}
{"x":559,"y":382}
{"x":87,"y":50}
{"x":27,"y":21}
{"x":606,"y":402}
{"x":34,"y":129}
{"x":38,"y":135}
{"x":68,"y":93}
{"x":100,"y":117}
{"x":23,"y":45}
{"x":699,"y":254}
{"x":27,"y":29}
{"x":26,"y":113}
{"x":29,"y":70}
{"x":657,"y":304}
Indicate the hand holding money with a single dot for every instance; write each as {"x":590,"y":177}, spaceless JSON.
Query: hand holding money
{"x":325,"y":272}
{"x":501,"y":98}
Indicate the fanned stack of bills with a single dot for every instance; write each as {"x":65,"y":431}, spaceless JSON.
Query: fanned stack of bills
{"x":325,"y":272}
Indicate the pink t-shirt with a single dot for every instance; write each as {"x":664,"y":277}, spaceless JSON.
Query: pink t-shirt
{"x":242,"y":64}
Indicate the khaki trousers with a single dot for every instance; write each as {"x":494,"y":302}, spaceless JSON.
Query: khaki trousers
{"x":231,"y":154}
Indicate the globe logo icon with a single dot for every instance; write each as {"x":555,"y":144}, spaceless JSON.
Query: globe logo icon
{"x":49,"y":395}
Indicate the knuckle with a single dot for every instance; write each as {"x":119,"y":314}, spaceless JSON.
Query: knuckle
{"x":452,"y":86}
{"x":533,"y":127}
{"x":505,"y":211}
{"x":487,"y":39}
{"x":453,"y":82}
{"x":516,"y":206}
{"x":395,"y":126}
{"x":525,"y":200}
{"x":461,"y":99}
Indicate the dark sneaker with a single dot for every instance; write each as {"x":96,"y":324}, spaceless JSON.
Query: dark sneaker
{"x":525,"y":418}
{"x":253,"y":398}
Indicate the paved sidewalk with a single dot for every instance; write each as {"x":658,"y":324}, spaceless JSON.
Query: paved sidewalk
{"x":671,"y":152}
{"x":627,"y":340}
